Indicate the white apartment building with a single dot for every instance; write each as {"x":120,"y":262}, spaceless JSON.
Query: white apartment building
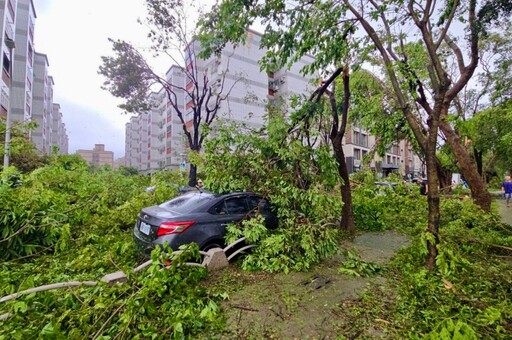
{"x":7,"y":17}
{"x":132,"y":140}
{"x":59,"y":137}
{"x":173,"y":134}
{"x":23,"y":71}
{"x":29,"y":94}
{"x":40,"y":106}
{"x":249,"y":90}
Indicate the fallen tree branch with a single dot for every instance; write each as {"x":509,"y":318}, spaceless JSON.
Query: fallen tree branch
{"x":490,"y":244}
{"x":98,"y":333}
{"x":48,"y":287}
{"x":5,"y":316}
{"x":245,"y":308}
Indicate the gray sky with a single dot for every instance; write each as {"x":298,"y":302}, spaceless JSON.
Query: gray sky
{"x":73,"y":34}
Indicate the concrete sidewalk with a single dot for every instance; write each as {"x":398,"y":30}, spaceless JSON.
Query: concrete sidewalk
{"x":506,"y":213}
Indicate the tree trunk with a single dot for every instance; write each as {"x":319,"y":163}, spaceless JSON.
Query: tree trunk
{"x":347,"y":215}
{"x":433,"y":191}
{"x":468,"y":169}
{"x":192,"y":175}
{"x":445,"y":177}
{"x":479,"y":162}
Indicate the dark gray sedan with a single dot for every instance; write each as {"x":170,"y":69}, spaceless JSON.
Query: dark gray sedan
{"x":199,"y":217}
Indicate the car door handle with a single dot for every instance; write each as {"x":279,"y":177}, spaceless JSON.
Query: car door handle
{"x":224,"y":224}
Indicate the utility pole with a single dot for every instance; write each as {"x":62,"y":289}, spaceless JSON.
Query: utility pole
{"x":10,"y":45}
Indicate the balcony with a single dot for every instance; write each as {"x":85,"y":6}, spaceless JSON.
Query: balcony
{"x":385,"y":165}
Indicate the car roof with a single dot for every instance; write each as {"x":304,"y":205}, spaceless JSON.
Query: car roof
{"x":217,"y":195}
{"x":200,"y":200}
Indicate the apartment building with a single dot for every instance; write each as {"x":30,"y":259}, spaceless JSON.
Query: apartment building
{"x":27,"y":87}
{"x":39,"y":105}
{"x":155,"y":139}
{"x":236,"y":74}
{"x":59,"y":138}
{"x":97,"y":156}
{"x":23,"y":61}
{"x":173,"y":138}
{"x":7,"y":18}
{"x":399,"y":157}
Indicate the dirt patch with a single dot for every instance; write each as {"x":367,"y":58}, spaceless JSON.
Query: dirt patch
{"x":304,"y":305}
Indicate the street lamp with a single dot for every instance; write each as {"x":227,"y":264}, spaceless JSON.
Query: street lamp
{"x":10,"y":45}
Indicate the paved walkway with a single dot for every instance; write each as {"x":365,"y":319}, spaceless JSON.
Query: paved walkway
{"x":506,"y":213}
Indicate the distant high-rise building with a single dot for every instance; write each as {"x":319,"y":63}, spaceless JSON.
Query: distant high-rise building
{"x":156,"y":140}
{"x":97,"y":156}
{"x":59,"y":137}
{"x":29,"y":94}
{"x":7,"y":38}
{"x":40,"y":115}
{"x":23,"y":76}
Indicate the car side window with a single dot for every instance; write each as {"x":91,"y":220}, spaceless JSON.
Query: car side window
{"x":258,"y":204}
{"x":231,"y":206}
{"x":236,"y":205}
{"x":219,"y":209}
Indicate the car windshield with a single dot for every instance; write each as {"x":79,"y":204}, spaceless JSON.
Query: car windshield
{"x":186,"y":203}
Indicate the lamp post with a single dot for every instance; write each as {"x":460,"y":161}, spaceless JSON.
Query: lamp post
{"x":10,"y":45}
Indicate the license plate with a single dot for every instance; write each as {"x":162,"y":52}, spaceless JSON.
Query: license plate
{"x":144,"y":228}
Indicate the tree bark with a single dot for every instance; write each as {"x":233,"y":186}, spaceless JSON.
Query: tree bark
{"x":347,"y":215}
{"x":192,"y":175}
{"x":445,"y":176}
{"x":476,"y":183}
{"x":477,"y":155}
{"x":434,"y":211}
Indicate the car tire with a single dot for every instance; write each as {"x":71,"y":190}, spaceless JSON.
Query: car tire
{"x":211,"y":245}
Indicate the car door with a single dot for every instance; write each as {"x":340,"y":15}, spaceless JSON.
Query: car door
{"x":232,"y":209}
{"x":260,"y":205}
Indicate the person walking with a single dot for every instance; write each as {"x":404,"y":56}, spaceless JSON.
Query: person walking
{"x":506,"y":188}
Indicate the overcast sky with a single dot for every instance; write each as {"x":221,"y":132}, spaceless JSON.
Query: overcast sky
{"x":73,"y":34}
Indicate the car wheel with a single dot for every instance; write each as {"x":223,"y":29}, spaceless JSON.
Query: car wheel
{"x":212,"y":245}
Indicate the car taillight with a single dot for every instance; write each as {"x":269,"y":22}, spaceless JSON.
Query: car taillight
{"x":173,"y":227}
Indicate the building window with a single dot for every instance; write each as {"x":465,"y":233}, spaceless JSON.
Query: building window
{"x":364,"y":140}
{"x":357,"y":154}
{"x":7,"y":63}
{"x":394,"y":149}
{"x":356,"y":137}
{"x":360,"y":139}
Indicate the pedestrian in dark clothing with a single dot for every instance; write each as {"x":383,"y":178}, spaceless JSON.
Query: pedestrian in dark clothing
{"x":424,"y":186}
